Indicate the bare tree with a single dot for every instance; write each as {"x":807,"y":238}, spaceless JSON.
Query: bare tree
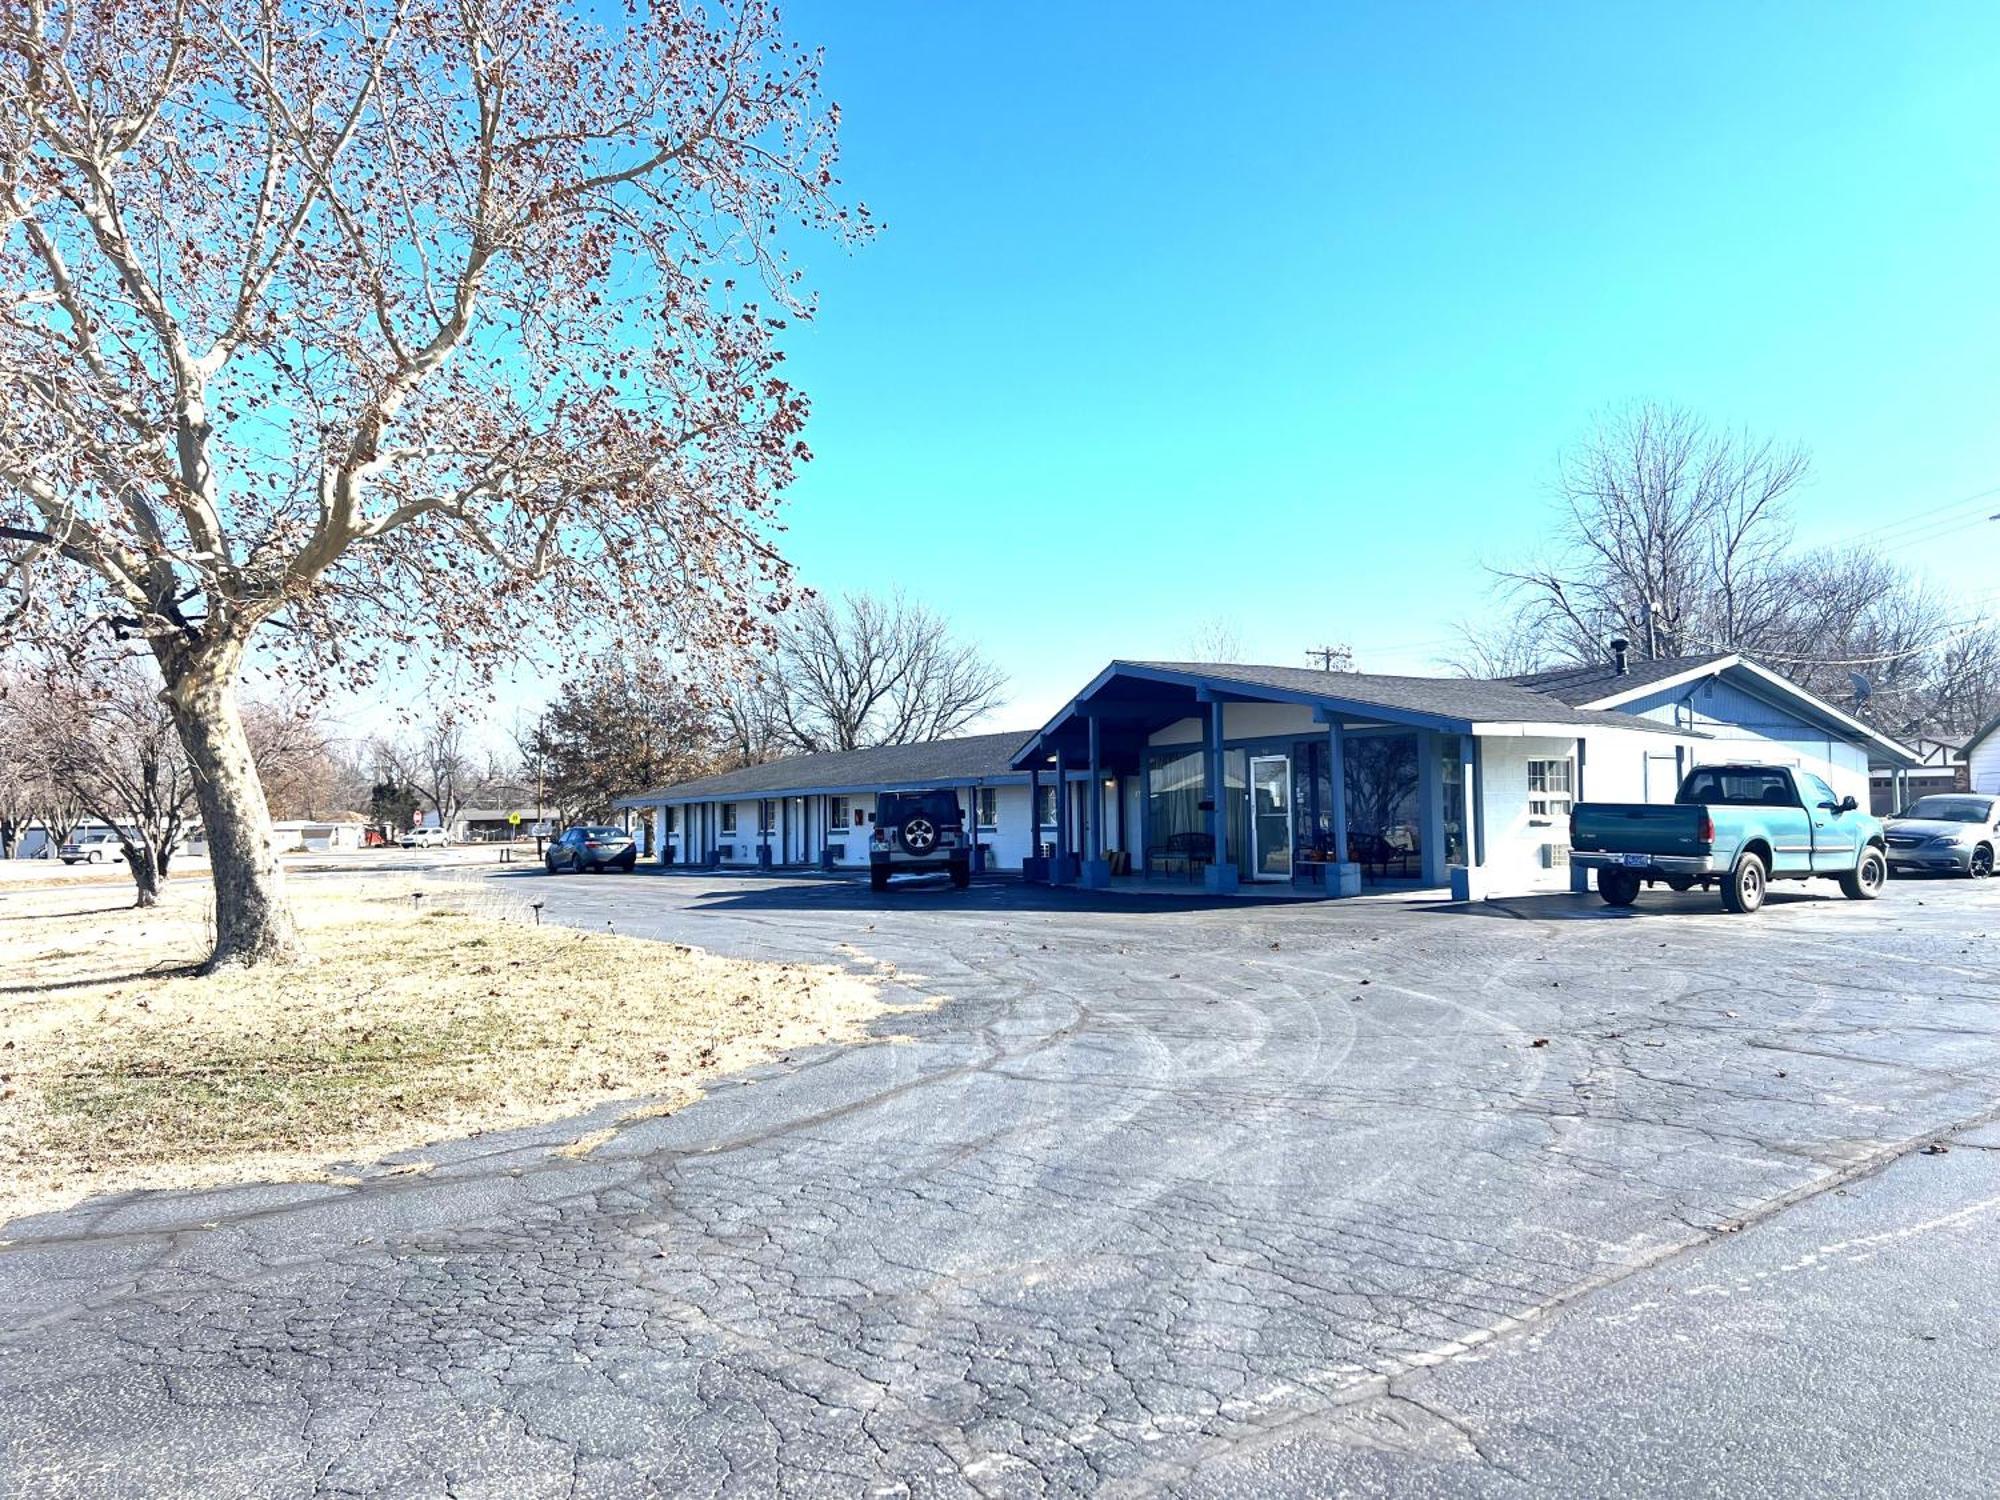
{"x":1678,"y":538}
{"x":1668,"y":534}
{"x":1214,"y":640}
{"x":748,"y":722}
{"x":433,"y":760}
{"x":294,"y":756}
{"x":333,"y":329}
{"x":32,"y":795}
{"x":873,"y":671}
{"x":114,"y":745}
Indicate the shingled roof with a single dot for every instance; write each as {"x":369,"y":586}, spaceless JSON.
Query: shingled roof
{"x":971,"y":758}
{"x":1479,"y":700}
{"x":1592,"y":682}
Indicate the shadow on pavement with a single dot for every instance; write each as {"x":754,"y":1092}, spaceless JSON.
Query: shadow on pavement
{"x":816,"y":890}
{"x":1569,"y":907}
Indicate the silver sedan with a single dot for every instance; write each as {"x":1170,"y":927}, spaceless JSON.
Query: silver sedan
{"x":1945,"y":833}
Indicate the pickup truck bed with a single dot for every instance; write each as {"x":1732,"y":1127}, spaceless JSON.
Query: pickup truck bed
{"x":1738,"y":827}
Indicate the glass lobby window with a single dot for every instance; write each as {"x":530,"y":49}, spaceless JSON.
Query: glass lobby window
{"x":1451,"y":772}
{"x":1551,"y":788}
{"x":1173,"y":795}
{"x":1384,"y":822}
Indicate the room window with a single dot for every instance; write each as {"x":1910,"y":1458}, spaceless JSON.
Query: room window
{"x":729,"y":817}
{"x":1551,"y":788}
{"x":1046,"y":813}
{"x":767,"y":818}
{"x":836,"y":812}
{"x":989,"y":807}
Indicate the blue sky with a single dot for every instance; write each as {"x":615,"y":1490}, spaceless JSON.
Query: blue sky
{"x":1176,"y":317}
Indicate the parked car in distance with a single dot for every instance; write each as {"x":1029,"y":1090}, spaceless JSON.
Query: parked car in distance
{"x":1946,"y":833}
{"x":1739,"y":827}
{"x":425,"y":838}
{"x":916,"y":831}
{"x":587,"y":850}
{"x":92,"y":846}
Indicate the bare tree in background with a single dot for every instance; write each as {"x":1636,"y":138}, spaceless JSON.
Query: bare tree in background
{"x":113,"y":744}
{"x":1678,"y":537}
{"x":31,"y":793}
{"x":334,"y":332}
{"x":295,"y":759}
{"x":872,"y":671}
{"x":747,"y":723}
{"x":1214,"y":640}
{"x":432,"y":759}
{"x":1667,"y":533}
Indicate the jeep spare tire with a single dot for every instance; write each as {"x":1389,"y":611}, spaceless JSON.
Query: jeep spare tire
{"x":918,"y":833}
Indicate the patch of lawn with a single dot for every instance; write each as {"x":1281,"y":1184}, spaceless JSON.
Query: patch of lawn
{"x":120,"y":1068}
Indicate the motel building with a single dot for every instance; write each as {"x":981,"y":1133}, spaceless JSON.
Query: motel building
{"x":1225,"y":777}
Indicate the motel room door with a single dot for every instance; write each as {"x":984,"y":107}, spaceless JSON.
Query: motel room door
{"x":1270,"y":817}
{"x":1663,"y":776}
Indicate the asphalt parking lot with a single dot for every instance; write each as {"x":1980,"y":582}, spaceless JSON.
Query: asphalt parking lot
{"x":1164,"y":1197}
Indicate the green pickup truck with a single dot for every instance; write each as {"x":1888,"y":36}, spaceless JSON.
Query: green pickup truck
{"x":1739,"y":827}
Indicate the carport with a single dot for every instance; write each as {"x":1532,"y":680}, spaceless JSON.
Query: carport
{"x":1327,"y":781}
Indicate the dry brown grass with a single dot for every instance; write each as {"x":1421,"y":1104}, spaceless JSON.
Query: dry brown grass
{"x":120,"y":1068}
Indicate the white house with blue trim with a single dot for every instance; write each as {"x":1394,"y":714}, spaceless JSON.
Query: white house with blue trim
{"x":1226,"y":775}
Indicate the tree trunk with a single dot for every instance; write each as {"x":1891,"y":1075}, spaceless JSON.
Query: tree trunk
{"x":253,"y":923}
{"x":146,"y":872}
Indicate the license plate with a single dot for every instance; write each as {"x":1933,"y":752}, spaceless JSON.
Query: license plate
{"x":1635,"y":859}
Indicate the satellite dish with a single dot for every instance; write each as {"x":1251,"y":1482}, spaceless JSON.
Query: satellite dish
{"x":1862,"y":691}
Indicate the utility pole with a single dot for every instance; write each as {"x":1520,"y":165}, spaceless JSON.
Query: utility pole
{"x":1332,"y":658}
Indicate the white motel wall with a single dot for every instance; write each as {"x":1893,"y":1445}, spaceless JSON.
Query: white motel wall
{"x":1406,"y":819}
{"x":801,"y":827}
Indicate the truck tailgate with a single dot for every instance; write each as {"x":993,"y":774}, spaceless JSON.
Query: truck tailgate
{"x":1637,"y":828}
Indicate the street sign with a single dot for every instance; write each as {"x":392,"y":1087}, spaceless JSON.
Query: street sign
{"x":514,"y":818}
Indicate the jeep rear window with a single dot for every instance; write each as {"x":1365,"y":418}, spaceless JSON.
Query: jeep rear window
{"x":941,"y":807}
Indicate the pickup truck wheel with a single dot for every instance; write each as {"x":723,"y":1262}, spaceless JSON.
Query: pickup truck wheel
{"x":1865,"y":881}
{"x":1743,"y":891}
{"x":1617,"y":887}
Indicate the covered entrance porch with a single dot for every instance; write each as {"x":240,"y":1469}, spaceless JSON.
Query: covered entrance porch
{"x":1192,"y":776}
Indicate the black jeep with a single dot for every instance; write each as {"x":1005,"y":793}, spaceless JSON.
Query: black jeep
{"x":919,"y":831}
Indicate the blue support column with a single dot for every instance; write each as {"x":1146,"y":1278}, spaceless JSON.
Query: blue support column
{"x":1579,"y":878}
{"x":1468,"y":881}
{"x":1062,"y":869}
{"x":764,"y":833}
{"x":1430,"y":804}
{"x":1220,"y":874}
{"x":1034,"y":865}
{"x":1343,"y":876}
{"x":1096,"y":869}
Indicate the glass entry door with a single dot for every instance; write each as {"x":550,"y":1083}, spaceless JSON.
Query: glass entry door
{"x":1270,"y":817}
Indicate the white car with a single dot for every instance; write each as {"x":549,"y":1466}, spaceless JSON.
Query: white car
{"x":425,"y":838}
{"x":93,"y":846}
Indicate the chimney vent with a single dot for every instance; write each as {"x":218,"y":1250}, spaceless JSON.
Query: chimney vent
{"x":1619,"y":646}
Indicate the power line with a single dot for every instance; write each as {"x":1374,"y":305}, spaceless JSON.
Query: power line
{"x":1929,"y":516}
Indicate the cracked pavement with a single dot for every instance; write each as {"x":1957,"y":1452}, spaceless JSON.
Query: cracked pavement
{"x":1169,"y":1197}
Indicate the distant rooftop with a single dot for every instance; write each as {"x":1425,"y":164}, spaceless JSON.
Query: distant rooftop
{"x":966,"y":759}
